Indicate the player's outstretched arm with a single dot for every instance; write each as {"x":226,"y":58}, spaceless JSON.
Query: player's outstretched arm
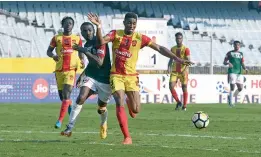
{"x":94,"y":18}
{"x":244,"y":67}
{"x":167,"y":53}
{"x":98,"y":59}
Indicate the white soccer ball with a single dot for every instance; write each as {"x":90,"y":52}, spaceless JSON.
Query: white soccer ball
{"x":220,"y":86}
{"x":200,"y":119}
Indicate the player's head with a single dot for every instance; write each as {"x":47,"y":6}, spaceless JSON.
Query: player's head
{"x":130,"y":22}
{"x":87,"y":30}
{"x":179,"y":38}
{"x":236,"y":45}
{"x":67,"y":24}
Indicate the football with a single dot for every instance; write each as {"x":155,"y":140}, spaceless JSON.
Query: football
{"x":200,"y":119}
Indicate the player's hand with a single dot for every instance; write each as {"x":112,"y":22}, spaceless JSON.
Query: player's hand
{"x":94,"y":18}
{"x":230,"y":65}
{"x":55,"y":58}
{"x":246,"y":71}
{"x":78,"y":48}
{"x":188,"y":62}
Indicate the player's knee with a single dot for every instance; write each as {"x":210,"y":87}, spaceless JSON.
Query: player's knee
{"x":101,"y":110}
{"x":81,"y":99}
{"x":240,"y":89}
{"x":184,"y":88}
{"x":136,"y":108}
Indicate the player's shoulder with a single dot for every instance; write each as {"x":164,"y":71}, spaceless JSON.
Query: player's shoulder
{"x":174,"y":47}
{"x":77,"y":36}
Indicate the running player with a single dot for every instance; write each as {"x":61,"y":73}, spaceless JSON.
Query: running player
{"x":124,"y":78}
{"x":235,"y":60}
{"x":94,"y":79}
{"x":179,"y":71}
{"x":67,"y":61}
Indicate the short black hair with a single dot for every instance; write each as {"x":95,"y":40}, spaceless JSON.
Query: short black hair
{"x":236,"y":42}
{"x":130,"y":15}
{"x":87,"y":23}
{"x":67,"y":17}
{"x":178,"y":34}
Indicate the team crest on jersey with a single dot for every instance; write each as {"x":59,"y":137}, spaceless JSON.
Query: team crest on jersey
{"x":134,"y":42}
{"x":67,"y":42}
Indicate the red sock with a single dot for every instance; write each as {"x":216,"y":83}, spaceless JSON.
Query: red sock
{"x":64,"y":108}
{"x":175,"y":95}
{"x":185,"y":98}
{"x":123,"y":120}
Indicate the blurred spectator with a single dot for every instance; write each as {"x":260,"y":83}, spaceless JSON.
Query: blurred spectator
{"x":250,"y":47}
{"x":259,"y":49}
{"x":223,"y":39}
{"x":250,"y":5}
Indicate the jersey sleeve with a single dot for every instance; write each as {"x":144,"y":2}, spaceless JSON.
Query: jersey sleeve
{"x":111,"y":35}
{"x":80,"y":42}
{"x":101,"y":51}
{"x":53,"y":42}
{"x":187,"y":52}
{"x":145,"y":41}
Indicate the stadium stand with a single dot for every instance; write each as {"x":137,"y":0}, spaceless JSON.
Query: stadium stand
{"x":32,"y":24}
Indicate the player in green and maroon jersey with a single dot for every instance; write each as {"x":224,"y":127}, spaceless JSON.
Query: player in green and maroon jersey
{"x":235,"y":60}
{"x":94,"y":79}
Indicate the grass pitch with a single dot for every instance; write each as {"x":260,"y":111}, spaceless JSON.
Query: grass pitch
{"x":27,"y":130}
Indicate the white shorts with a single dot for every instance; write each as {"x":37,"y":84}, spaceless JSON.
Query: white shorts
{"x":235,"y":78}
{"x":103,"y":90}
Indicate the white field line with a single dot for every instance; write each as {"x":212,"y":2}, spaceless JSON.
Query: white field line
{"x":151,"y":134}
{"x":135,"y":145}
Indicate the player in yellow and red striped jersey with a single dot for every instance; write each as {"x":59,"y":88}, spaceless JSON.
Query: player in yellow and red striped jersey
{"x":124,"y":77}
{"x":179,"y":71}
{"x":67,"y":61}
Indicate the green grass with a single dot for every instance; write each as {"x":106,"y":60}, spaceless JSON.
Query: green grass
{"x":158,"y":131}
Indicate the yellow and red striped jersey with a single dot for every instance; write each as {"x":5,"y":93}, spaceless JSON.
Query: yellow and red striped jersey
{"x":125,"y":49}
{"x":68,"y":58}
{"x":182,"y":52}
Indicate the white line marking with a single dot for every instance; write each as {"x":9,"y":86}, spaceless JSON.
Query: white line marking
{"x":151,"y":134}
{"x":137,"y":145}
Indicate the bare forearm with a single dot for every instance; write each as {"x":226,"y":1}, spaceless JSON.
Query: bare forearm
{"x":225,"y":62}
{"x":100,"y":40}
{"x":81,"y":56}
{"x":50,"y":54}
{"x":244,"y":66}
{"x":92,"y":57}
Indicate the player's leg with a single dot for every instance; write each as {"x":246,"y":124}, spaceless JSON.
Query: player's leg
{"x":184,"y":82}
{"x":117,"y":85}
{"x":232,"y":81}
{"x":239,"y":83}
{"x":59,"y":81}
{"x":133,"y":96}
{"x":134,"y":101}
{"x":104,"y":95}
{"x":172,"y":84}
{"x":103,"y":112}
{"x":85,"y":92}
{"x":68,"y":81}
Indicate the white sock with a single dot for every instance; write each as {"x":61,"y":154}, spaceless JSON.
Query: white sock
{"x":104,"y":117}
{"x":76,"y":109}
